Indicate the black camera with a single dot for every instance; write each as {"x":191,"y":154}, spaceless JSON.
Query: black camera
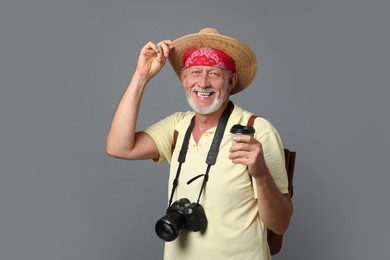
{"x":181,"y":215}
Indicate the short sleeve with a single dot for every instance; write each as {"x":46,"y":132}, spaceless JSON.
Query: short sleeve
{"x":162,"y":134}
{"x":273,"y":153}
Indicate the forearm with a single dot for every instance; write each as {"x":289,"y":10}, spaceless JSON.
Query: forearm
{"x":275,"y":208}
{"x":121,"y":135}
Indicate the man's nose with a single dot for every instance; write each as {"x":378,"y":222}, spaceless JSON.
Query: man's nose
{"x":203,"y":81}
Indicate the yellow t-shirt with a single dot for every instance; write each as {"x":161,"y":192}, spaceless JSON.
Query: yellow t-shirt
{"x":234,"y":230}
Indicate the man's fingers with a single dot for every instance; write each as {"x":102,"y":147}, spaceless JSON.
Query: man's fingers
{"x":150,"y":46}
{"x":243,"y":139}
{"x":167,"y":47}
{"x":244,"y":159}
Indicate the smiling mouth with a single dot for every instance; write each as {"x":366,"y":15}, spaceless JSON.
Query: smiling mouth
{"x":203,"y":93}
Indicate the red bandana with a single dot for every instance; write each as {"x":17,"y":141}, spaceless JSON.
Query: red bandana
{"x":208,"y":57}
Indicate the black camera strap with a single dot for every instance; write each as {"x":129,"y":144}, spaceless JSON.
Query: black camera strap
{"x":211,"y":156}
{"x":182,"y":157}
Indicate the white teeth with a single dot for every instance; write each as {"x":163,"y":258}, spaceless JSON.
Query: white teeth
{"x":205,"y":94}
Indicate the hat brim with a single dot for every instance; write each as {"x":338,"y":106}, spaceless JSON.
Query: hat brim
{"x":243,"y":56}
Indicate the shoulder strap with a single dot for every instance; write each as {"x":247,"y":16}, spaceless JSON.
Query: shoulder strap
{"x":251,"y":120}
{"x":175,"y":135}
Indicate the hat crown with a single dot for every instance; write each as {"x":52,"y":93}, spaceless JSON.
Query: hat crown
{"x":209,"y":30}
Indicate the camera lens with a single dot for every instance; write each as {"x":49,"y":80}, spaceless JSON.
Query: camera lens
{"x":169,"y":227}
{"x":166,"y":228}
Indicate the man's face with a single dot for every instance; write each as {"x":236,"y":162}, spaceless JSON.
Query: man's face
{"x":207,"y":88}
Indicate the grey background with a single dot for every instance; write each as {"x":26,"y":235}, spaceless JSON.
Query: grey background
{"x":323,"y":82}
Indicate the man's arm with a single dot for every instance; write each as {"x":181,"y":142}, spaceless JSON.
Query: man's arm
{"x":122,"y":140}
{"x":275,"y":208}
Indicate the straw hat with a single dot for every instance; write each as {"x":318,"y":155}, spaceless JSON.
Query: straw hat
{"x":243,"y":56}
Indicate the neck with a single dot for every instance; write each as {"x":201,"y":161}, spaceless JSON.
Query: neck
{"x":205,"y":122}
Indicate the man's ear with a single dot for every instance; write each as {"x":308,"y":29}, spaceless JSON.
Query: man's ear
{"x":233,"y":81}
{"x":182,"y":74}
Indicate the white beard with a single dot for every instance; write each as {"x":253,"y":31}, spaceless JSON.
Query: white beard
{"x":212,"y":108}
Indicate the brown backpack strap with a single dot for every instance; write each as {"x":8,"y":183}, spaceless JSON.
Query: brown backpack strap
{"x":175,"y":135}
{"x":251,"y":120}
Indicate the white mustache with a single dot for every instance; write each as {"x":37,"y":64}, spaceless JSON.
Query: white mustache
{"x":203,"y":90}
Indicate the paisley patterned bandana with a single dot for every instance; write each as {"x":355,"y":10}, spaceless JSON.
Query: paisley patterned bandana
{"x":208,"y":57}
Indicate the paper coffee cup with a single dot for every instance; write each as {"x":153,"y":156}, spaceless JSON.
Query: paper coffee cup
{"x":241,"y":130}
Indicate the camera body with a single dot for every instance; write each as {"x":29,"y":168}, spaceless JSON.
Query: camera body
{"x":181,"y":215}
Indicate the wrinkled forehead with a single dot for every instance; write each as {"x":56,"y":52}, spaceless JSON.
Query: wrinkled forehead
{"x":208,"y":69}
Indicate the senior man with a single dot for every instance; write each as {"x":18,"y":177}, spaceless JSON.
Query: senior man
{"x":233,"y":192}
